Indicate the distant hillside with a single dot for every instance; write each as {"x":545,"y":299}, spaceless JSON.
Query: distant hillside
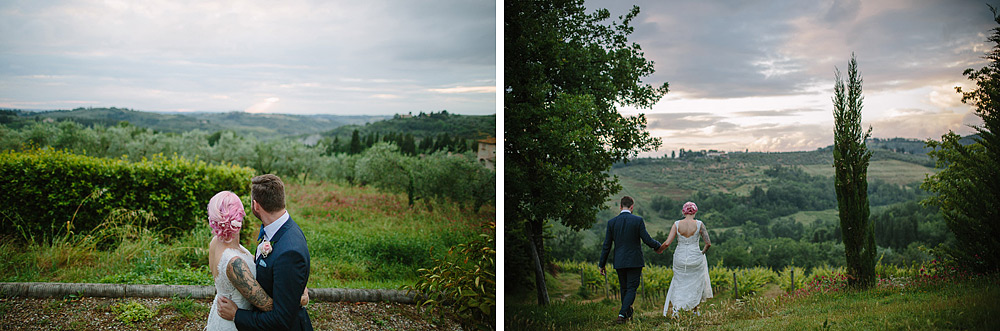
{"x":244,"y":123}
{"x":425,"y":125}
{"x":740,"y":172}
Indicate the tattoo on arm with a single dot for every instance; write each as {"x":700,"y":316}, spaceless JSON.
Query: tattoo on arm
{"x":239,"y":274}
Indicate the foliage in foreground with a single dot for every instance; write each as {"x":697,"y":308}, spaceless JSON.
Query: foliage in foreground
{"x":131,"y":312}
{"x":968,"y":188}
{"x":463,"y":283}
{"x":933,"y":296}
{"x":359,"y":237}
{"x":565,"y":73}
{"x":54,"y":192}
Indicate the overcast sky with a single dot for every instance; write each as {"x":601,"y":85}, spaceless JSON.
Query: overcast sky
{"x":301,"y":57}
{"x":759,"y":75}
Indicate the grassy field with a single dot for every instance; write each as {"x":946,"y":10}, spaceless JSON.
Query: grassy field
{"x":969,"y":303}
{"x":678,"y":180}
{"x":808,"y":217}
{"x":892,"y":171}
{"x":358,"y":238}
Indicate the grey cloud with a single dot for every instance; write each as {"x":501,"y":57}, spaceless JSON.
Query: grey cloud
{"x":719,"y":49}
{"x":302,"y":50}
{"x":776,"y":113}
{"x":681,"y":121}
{"x":843,"y":10}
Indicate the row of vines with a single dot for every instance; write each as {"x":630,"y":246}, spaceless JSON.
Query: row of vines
{"x":735,"y":282}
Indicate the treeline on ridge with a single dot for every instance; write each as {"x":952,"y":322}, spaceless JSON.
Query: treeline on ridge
{"x":438,"y":175}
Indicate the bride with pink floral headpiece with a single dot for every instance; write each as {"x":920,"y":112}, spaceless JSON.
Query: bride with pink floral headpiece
{"x":691,"y":284}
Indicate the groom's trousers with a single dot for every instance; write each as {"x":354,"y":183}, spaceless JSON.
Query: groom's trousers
{"x":628,"y":284}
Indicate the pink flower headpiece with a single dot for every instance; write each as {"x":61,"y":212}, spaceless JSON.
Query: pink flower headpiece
{"x":225,"y":215}
{"x":689,"y":208}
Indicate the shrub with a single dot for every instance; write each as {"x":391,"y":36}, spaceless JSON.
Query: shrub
{"x":54,"y":192}
{"x":456,"y":177}
{"x":131,"y":312}
{"x":786,"y":275}
{"x":465,"y":280}
{"x":721,"y":277}
{"x":752,"y":280}
{"x":824,"y":271}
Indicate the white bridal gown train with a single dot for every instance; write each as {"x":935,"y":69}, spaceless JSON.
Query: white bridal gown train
{"x":691,"y":284}
{"x":223,"y":287}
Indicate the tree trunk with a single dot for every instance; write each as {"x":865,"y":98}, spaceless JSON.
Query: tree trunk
{"x":543,"y":292}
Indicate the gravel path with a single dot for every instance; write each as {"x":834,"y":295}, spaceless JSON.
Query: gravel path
{"x":88,"y":313}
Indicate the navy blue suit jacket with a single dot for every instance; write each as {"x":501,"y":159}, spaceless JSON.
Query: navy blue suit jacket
{"x":625,"y":231}
{"x":283,"y":275}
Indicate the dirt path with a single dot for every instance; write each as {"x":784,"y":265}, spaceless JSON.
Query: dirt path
{"x":190,"y":314}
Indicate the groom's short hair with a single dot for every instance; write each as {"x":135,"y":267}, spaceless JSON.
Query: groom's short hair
{"x":627,"y":201}
{"x":268,"y":191}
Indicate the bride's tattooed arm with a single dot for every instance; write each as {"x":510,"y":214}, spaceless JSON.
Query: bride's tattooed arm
{"x":239,"y":274}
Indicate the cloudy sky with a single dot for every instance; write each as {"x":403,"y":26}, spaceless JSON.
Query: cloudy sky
{"x":299,"y":56}
{"x":759,"y":75}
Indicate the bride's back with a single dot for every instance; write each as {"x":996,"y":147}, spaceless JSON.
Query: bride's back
{"x":687,"y":228}
{"x":224,"y":287}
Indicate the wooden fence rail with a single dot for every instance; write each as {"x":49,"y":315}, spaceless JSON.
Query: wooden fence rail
{"x":59,"y":290}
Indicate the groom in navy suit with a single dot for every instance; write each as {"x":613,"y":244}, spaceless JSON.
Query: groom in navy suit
{"x":283,"y":271}
{"x":627,"y":230}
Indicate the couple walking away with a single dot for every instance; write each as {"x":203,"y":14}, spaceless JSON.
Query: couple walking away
{"x":690,"y":285}
{"x":266,"y":291}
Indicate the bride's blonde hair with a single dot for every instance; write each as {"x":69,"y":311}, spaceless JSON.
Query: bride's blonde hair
{"x":225,"y":215}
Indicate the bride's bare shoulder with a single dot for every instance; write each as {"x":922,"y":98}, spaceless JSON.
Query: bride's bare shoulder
{"x":215,"y":243}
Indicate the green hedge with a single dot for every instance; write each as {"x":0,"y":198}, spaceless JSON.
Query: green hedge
{"x":43,"y":189}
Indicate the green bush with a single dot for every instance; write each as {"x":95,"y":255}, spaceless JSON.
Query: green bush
{"x":824,"y":271}
{"x":52,"y":193}
{"x":786,"y":278}
{"x":131,"y":312}
{"x":721,"y":278}
{"x":464,"y":282}
{"x":752,"y":280}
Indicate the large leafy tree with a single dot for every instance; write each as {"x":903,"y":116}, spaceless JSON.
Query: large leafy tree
{"x":564,"y":75}
{"x":968,"y":188}
{"x":850,"y":160}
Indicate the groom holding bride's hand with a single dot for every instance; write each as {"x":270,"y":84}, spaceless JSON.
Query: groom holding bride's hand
{"x":282,"y":261}
{"x":627,"y":230}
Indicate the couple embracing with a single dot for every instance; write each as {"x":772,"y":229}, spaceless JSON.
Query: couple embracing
{"x":690,"y":284}
{"x":266,"y":290}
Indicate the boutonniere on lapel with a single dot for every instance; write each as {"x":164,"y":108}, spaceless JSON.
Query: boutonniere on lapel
{"x":265,"y":248}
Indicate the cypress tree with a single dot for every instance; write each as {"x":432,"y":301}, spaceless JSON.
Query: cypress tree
{"x":850,"y":160}
{"x":409,"y":147}
{"x":355,"y":143}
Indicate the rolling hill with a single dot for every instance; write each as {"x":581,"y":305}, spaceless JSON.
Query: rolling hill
{"x":425,"y":125}
{"x":263,"y":125}
{"x":739,"y":173}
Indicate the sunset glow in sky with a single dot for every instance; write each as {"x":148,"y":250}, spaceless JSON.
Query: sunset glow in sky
{"x":744,"y":75}
{"x":759,"y":75}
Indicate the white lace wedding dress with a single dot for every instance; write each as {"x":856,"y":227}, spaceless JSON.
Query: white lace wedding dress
{"x":691,"y":284}
{"x":223,"y":287}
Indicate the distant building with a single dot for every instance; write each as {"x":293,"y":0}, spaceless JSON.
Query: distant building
{"x":487,"y":153}
{"x":714,"y":153}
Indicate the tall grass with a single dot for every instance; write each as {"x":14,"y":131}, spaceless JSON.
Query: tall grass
{"x":933,"y":298}
{"x":357,"y":237}
{"x":121,"y":249}
{"x":363,"y":238}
